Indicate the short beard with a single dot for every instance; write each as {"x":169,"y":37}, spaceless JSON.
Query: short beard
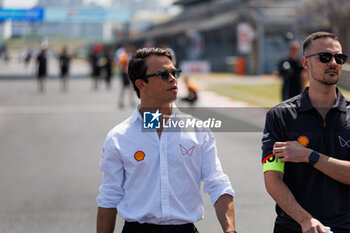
{"x":332,"y":80}
{"x":328,"y":81}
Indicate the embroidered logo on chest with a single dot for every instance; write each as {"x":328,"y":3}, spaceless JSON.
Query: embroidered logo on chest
{"x":185,"y":151}
{"x":139,"y":156}
{"x":303,"y":140}
{"x":343,"y":142}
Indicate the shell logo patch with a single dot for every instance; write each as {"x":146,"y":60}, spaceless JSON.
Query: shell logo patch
{"x":139,"y":156}
{"x":303,"y":140}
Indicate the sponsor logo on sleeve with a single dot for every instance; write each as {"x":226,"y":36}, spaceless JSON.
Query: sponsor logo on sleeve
{"x":266,"y":138}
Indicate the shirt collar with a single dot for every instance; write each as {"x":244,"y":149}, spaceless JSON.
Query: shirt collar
{"x":304,"y":103}
{"x":136,"y":115}
{"x":341,"y":102}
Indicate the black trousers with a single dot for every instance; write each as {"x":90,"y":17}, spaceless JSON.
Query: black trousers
{"x":281,"y":229}
{"x":135,"y":227}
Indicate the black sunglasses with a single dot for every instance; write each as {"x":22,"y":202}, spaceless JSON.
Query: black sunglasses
{"x":326,"y":57}
{"x":164,"y":74}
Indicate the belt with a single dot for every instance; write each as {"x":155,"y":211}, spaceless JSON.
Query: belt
{"x":135,"y":227}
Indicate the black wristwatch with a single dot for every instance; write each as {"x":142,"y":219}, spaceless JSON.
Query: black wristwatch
{"x":313,"y":158}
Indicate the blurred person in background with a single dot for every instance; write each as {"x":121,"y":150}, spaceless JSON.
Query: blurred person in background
{"x":28,"y":56}
{"x":192,"y":92}
{"x":123,"y":62}
{"x":106,"y":67}
{"x":95,"y":63}
{"x":64,"y":65}
{"x":118,"y":53}
{"x":41,"y":64}
{"x":306,"y":147}
{"x":3,"y":52}
{"x":292,"y":72}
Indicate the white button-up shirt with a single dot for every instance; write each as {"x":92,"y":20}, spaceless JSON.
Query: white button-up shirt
{"x":152,"y":179}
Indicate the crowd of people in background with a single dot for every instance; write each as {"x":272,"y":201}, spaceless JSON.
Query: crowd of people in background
{"x":40,"y":58}
{"x":105,"y":62}
{"x":103,"y":65}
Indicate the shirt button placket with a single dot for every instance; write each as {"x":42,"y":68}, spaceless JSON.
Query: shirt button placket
{"x":164,"y":175}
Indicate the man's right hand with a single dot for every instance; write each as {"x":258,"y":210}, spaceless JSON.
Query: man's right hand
{"x":106,"y":220}
{"x":313,"y":226}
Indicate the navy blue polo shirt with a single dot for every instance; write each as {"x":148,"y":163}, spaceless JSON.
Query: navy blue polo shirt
{"x":323,"y":197}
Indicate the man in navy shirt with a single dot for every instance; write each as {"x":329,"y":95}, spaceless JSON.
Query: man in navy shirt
{"x":306,"y":147}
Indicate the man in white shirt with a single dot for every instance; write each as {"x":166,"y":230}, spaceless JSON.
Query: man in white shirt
{"x":152,"y":179}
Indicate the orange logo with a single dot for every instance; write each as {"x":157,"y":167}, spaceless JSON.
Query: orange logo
{"x":303,"y":140}
{"x":139,"y":156}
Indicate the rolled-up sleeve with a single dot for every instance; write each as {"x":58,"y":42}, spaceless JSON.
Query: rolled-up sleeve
{"x":216,"y":183}
{"x":111,"y":164}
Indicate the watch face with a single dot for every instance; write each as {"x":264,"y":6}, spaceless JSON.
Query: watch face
{"x":313,"y":158}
